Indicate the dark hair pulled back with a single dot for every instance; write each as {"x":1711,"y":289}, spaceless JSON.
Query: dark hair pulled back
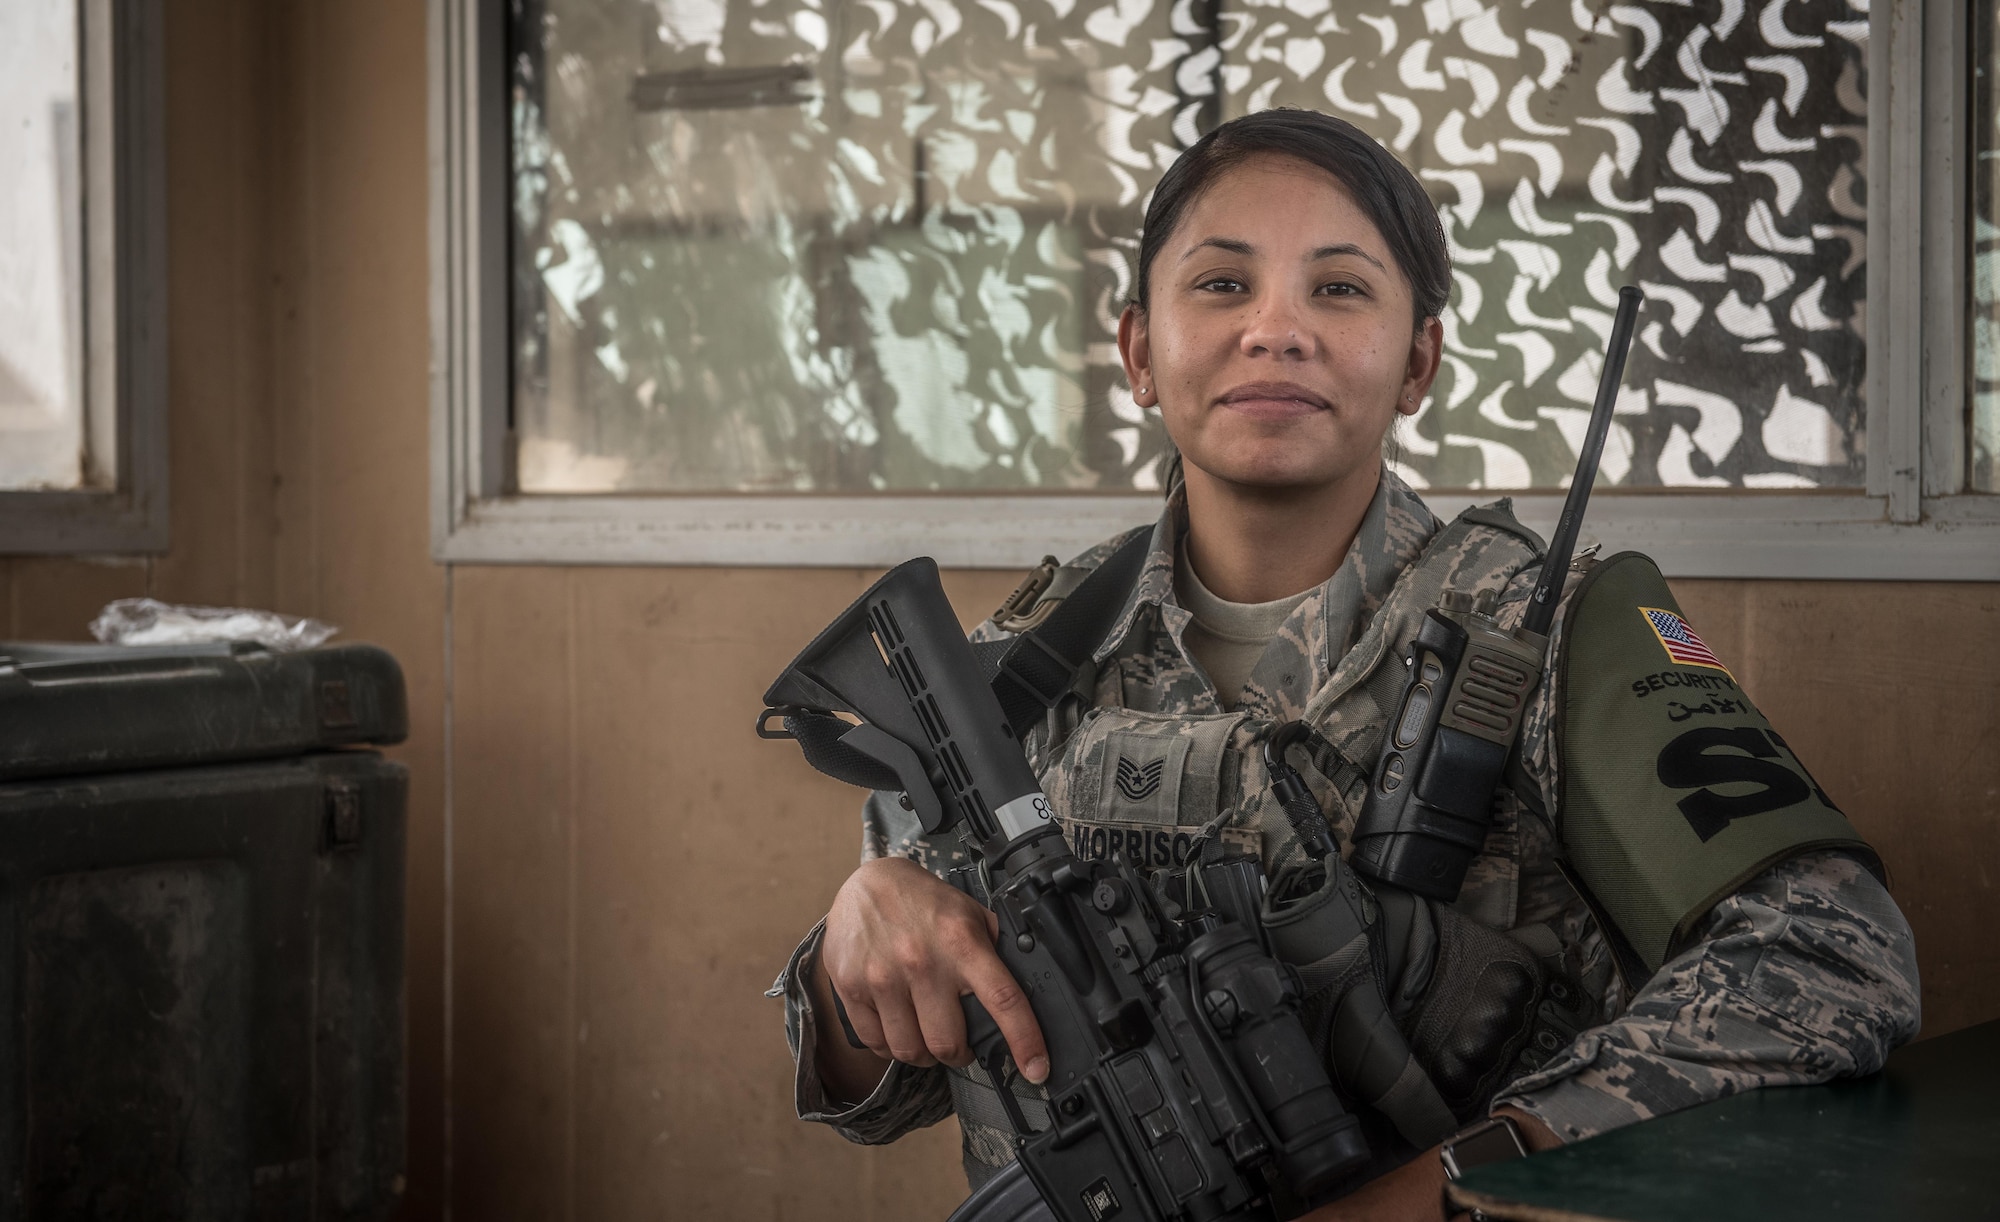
{"x":1380,"y":185}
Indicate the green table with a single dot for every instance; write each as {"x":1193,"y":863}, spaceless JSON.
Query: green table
{"x":1920,"y":1140}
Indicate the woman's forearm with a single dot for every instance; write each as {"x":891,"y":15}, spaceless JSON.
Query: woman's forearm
{"x":849,"y":1074}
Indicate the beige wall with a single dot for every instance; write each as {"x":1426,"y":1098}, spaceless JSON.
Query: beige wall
{"x":625,"y":866}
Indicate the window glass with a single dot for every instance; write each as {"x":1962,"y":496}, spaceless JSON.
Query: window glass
{"x":786,"y":246}
{"x":41,"y":247}
{"x":1984,"y":449}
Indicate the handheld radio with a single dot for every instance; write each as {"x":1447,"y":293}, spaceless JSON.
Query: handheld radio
{"x":1430,"y":800}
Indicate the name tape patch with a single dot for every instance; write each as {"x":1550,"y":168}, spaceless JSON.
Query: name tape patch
{"x":1149,"y":846}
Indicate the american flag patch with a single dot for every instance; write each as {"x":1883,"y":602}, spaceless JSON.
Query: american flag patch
{"x":1679,"y":640}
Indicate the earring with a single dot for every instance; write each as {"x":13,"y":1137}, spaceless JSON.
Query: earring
{"x":1142,"y":390}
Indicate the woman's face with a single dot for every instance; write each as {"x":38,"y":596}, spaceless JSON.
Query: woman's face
{"x":1279,"y":340}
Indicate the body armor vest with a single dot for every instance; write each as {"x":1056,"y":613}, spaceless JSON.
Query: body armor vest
{"x":1147,"y":784}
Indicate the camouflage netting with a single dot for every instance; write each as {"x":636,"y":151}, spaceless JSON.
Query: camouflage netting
{"x":794,"y":247}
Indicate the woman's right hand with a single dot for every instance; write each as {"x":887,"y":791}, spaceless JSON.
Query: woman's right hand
{"x":902,"y":947}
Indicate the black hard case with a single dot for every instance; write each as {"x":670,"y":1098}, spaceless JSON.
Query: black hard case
{"x":67,"y":710}
{"x":201,"y":967}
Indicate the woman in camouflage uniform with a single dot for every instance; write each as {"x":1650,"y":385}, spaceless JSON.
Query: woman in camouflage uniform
{"x":1291,"y":277}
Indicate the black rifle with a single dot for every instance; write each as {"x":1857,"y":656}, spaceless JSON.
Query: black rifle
{"x":1431,"y":798}
{"x":1181,"y":1082}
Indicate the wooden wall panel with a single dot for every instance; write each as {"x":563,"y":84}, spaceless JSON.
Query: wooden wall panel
{"x":1888,"y":693}
{"x":54,"y":598}
{"x":222,"y":470}
{"x":513,"y":896}
{"x":628,"y":819}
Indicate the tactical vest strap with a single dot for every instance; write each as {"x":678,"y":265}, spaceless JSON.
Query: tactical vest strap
{"x":1673,"y":790}
{"x":1500,"y":516}
{"x":1481,"y":546}
{"x":1031,"y":671}
{"x":1331,"y":762}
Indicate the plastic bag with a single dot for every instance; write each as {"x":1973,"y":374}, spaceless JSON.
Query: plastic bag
{"x":148,"y":621}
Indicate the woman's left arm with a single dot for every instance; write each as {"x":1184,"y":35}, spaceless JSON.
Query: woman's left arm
{"x":1806,"y":974}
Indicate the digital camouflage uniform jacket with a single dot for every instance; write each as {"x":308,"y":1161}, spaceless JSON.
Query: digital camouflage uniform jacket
{"x":1807,"y":973}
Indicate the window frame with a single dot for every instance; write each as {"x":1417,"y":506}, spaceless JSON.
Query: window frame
{"x":123,"y":506}
{"x":1913,"y":520}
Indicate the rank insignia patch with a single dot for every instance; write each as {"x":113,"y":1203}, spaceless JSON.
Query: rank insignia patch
{"x":1680,"y":641}
{"x":1136,"y":783}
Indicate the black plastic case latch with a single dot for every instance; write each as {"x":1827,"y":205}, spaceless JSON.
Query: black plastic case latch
{"x":343,"y":816}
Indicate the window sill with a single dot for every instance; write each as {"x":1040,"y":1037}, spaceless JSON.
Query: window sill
{"x":83,"y":523}
{"x":1824,"y":536}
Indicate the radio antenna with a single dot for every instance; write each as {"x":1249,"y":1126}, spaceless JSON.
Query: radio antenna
{"x":1548,"y":592}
